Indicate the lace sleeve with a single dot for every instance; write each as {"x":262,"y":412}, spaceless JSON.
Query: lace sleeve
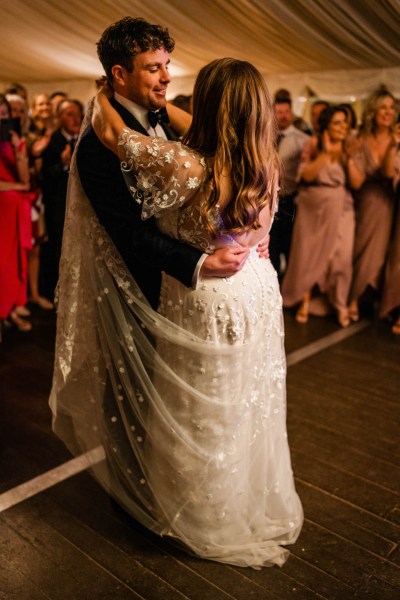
{"x":160,"y":174}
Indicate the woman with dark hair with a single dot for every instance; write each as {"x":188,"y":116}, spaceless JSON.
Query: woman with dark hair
{"x":374,"y":198}
{"x":15,"y":223}
{"x":195,"y":429}
{"x":320,"y":267}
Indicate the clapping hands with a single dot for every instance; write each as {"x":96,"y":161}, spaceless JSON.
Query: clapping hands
{"x":396,"y":133}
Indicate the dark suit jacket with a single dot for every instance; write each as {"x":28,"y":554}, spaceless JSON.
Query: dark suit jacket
{"x":145,"y":250}
{"x":54,"y":185}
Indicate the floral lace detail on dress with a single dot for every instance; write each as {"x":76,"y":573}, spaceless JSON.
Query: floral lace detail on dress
{"x":160,"y":174}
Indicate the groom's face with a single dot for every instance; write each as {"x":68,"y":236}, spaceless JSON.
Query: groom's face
{"x":147,"y":83}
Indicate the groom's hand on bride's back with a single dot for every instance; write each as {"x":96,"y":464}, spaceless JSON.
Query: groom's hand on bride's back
{"x":224,"y":262}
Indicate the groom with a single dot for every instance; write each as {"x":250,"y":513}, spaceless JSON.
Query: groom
{"x":135,"y":57}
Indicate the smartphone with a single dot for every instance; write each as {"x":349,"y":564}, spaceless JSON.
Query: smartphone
{"x":8,"y":125}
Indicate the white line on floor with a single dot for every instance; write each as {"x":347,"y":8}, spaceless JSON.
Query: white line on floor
{"x":50,"y":478}
{"x":84,"y":461}
{"x":325,"y":342}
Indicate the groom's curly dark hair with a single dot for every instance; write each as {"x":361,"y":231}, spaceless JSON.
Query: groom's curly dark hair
{"x":120,"y":42}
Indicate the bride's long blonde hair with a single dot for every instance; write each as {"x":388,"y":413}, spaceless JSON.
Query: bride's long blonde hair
{"x":233,"y":122}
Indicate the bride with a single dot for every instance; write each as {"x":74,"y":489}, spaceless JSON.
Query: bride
{"x":189,"y":403}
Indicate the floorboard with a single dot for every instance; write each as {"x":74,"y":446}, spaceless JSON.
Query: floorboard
{"x":72,"y":542}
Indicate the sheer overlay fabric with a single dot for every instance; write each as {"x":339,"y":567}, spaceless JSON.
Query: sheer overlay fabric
{"x":188,"y":402}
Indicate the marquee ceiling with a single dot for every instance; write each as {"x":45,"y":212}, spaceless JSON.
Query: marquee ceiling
{"x":335,"y":46}
{"x":47,"y":40}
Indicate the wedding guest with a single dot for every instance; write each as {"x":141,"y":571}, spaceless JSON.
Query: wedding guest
{"x":283,"y":96}
{"x":15,"y":223}
{"x":56,"y":164}
{"x":374,"y":198}
{"x":390,"y":302}
{"x":290,"y":144}
{"x":19,"y":111}
{"x":320,"y":265}
{"x":41,"y":128}
{"x":55,"y":98}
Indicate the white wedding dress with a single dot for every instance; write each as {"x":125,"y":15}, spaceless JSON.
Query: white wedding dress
{"x":190,"y":403}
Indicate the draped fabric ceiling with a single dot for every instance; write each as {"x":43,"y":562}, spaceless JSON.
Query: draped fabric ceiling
{"x":338,"y":49}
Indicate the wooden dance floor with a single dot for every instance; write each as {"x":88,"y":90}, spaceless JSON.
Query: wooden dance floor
{"x":62,"y":539}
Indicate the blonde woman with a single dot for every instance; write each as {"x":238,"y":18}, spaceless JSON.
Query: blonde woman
{"x":197,"y":429}
{"x":374,"y":198}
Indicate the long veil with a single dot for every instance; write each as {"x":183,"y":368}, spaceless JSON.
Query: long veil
{"x":131,"y":383}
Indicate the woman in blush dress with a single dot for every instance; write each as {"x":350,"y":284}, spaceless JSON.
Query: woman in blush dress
{"x":390,"y":301}
{"x":320,"y":268}
{"x":374,"y":198}
{"x":15,"y":223}
{"x":195,"y":427}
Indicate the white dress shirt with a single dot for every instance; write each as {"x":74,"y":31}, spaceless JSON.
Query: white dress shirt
{"x":140,"y":114}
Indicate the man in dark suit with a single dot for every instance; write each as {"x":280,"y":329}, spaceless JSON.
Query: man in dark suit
{"x":135,"y":56}
{"x":55,"y":170}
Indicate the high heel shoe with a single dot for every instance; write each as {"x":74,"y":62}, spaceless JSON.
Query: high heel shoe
{"x":20,"y":324}
{"x":353,"y":313}
{"x":343,"y":318}
{"x":302,"y":313}
{"x":396,"y":327}
{"x":22,"y":311}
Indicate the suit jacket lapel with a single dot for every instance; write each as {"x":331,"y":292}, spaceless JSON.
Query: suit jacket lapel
{"x":170,"y":133}
{"x":133,"y":123}
{"x":128,"y":117}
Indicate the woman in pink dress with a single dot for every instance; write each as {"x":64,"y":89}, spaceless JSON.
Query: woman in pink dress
{"x":320,"y":266}
{"x":390,"y":302}
{"x":15,"y":224}
{"x":374,"y":199}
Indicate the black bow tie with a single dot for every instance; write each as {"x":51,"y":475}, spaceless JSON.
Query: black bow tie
{"x":161,"y":116}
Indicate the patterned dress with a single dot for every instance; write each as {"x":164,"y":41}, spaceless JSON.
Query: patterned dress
{"x":223,"y":470}
{"x":182,"y":412}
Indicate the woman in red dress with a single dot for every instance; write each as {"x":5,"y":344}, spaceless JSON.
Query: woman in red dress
{"x":15,"y":223}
